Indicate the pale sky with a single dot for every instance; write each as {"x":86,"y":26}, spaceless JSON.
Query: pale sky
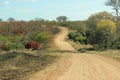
{"x":50,"y":9}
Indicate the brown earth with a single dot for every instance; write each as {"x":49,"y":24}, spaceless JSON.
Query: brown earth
{"x":78,"y":66}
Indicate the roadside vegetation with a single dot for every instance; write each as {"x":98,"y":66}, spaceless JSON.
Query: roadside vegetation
{"x":100,"y":33}
{"x":101,"y":30}
{"x":17,"y":65}
{"x":21,"y":34}
{"x":96,"y":31}
{"x":24,"y":47}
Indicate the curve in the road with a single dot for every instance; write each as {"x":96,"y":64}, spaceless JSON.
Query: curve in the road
{"x":82,"y":66}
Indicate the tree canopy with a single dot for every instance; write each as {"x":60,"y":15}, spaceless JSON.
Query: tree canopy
{"x":95,"y":18}
{"x":10,"y":19}
{"x":107,"y":24}
{"x":61,"y":18}
{"x":1,"y":20}
{"x":116,"y":6}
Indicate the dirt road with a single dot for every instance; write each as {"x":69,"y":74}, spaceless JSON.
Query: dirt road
{"x":77,"y":66}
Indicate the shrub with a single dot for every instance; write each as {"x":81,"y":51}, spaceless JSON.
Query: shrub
{"x":42,"y":37}
{"x":116,"y":45}
{"x":100,"y":39}
{"x":14,"y":45}
{"x":116,"y":41}
{"x":77,"y":37}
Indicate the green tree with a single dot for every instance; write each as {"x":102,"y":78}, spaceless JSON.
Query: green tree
{"x":78,"y":25}
{"x":10,"y":19}
{"x":61,"y":18}
{"x":116,"y":42}
{"x":116,"y":6}
{"x":95,"y":18}
{"x":39,"y":19}
{"x":1,"y":20}
{"x":100,"y":37}
{"x":107,"y":24}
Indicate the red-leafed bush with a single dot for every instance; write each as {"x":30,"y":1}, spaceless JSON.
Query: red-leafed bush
{"x":32,"y":45}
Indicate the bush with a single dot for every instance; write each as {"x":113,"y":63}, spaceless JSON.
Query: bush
{"x":77,"y":37}
{"x":42,"y":37}
{"x":100,"y":39}
{"x":16,"y":46}
{"x":116,"y":42}
{"x":116,"y":45}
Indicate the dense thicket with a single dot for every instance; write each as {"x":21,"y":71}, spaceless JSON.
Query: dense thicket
{"x":100,"y":30}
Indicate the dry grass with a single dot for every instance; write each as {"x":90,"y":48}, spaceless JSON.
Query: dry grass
{"x":115,"y":54}
{"x":78,"y":46}
{"x":16,"y":65}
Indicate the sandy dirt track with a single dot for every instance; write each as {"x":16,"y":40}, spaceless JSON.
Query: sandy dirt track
{"x":79,"y":66}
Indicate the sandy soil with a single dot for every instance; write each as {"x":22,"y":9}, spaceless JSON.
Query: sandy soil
{"x":78,"y":66}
